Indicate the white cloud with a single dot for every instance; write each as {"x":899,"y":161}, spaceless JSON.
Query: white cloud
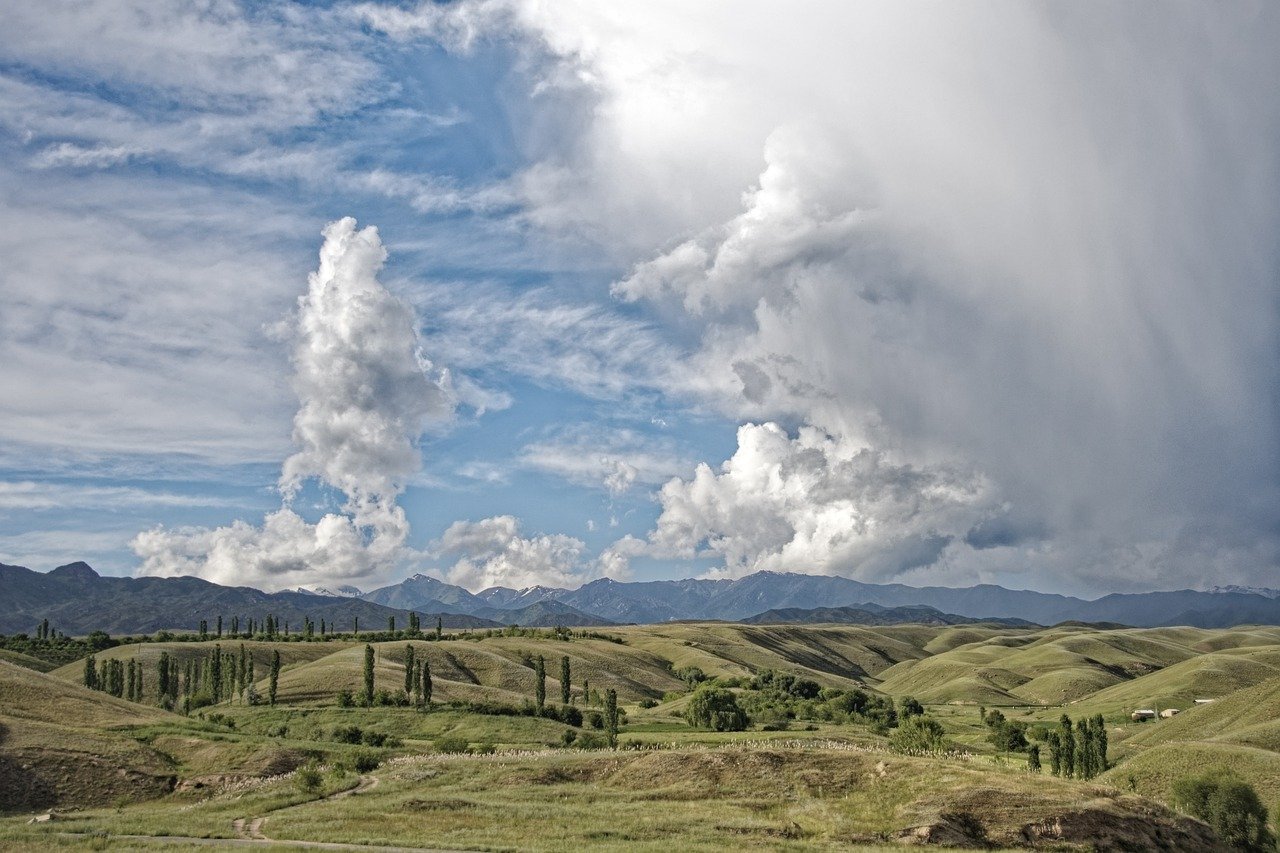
{"x":32,"y":495}
{"x":816,"y":503}
{"x":602,"y":456}
{"x":366,"y":395}
{"x":1036,"y":244}
{"x":580,"y":346}
{"x":70,"y":154}
{"x":492,"y":552}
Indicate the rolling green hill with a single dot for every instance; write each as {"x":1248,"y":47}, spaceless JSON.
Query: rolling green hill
{"x":63,"y":743}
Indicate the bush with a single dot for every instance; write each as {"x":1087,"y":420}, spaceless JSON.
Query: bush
{"x":1231,"y":806}
{"x":910,"y":707}
{"x":346,"y":699}
{"x":366,"y":761}
{"x":716,"y":708}
{"x":918,"y":734}
{"x":450,"y":744}
{"x":590,"y":740}
{"x":595,"y":719}
{"x":308,"y":779}
{"x":348,"y":734}
{"x":1008,"y":737}
{"x":647,"y":702}
{"x":690,"y":675}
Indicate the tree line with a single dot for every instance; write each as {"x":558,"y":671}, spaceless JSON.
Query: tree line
{"x":199,"y":681}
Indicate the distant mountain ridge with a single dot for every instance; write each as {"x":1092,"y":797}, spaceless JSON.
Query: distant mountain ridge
{"x":76,"y":599}
{"x":736,"y":600}
{"x":871,"y":614}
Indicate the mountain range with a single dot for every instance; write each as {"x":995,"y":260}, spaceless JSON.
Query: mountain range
{"x":77,"y":600}
{"x":737,"y":600}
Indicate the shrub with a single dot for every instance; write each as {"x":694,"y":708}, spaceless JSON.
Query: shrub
{"x":308,"y":779}
{"x":716,"y":708}
{"x":366,"y":761}
{"x":346,"y":699}
{"x":690,"y":675}
{"x":910,"y":707}
{"x":347,"y":734}
{"x":647,"y":702}
{"x":1228,"y":804}
{"x":450,"y":744}
{"x":1008,"y":737}
{"x":918,"y":734}
{"x":590,"y":740}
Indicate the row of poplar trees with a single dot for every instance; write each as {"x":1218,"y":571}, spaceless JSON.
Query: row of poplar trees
{"x":1078,"y":750}
{"x":218,"y":676}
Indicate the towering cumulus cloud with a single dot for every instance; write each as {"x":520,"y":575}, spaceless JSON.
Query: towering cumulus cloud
{"x":366,"y":394}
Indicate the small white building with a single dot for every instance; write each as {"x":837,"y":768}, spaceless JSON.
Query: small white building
{"x":1168,"y":712}
{"x":1142,"y":714}
{"x":1205,"y":701}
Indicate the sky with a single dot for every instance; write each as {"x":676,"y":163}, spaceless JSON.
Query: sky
{"x":513,"y":293}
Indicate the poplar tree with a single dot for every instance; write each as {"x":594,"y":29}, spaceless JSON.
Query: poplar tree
{"x":1067,"y":743}
{"x":409,"y":671}
{"x":219,"y":626}
{"x":275,"y":676}
{"x":391,"y":624}
{"x":137,"y":688}
{"x":586,"y":692}
{"x":566,"y":684}
{"x":368,"y":675}
{"x":215,"y":674}
{"x":91,"y":673}
{"x":1100,"y":739}
{"x":251,"y":694}
{"x":1084,"y":751}
{"x":426,"y":684}
{"x":439,"y":627}
{"x":162,"y":674}
{"x":540,"y":683}
{"x":1033,"y":758}
{"x":611,"y":717}
{"x":133,"y":666}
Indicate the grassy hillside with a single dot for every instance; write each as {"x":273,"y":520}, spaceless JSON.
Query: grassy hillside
{"x":19,"y":659}
{"x":62,"y":743}
{"x":780,"y":796}
{"x":804,"y":776}
{"x":1064,"y":665}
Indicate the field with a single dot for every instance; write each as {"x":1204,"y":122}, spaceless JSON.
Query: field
{"x":481,"y":770}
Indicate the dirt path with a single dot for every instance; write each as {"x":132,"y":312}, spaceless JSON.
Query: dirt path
{"x":251,"y":830}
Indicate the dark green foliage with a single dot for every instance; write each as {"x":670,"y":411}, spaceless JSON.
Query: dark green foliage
{"x":410,"y":670}
{"x":918,"y":734}
{"x":346,"y":699}
{"x":540,"y":682}
{"x":162,"y":674}
{"x":1067,"y":747}
{"x":90,"y":673}
{"x":1228,"y":804}
{"x":1054,"y":742}
{"x":566,"y":683}
{"x":308,"y":779}
{"x":366,"y":761}
{"x":1008,"y":736}
{"x":690,"y":675}
{"x":426,"y":684}
{"x":909,"y":707}
{"x":367,"y":696}
{"x":1033,"y":758}
{"x":716,"y":708}
{"x":274,"y":683}
{"x":611,"y":717}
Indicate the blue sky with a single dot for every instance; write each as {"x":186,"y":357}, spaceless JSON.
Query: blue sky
{"x":872,"y":290}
